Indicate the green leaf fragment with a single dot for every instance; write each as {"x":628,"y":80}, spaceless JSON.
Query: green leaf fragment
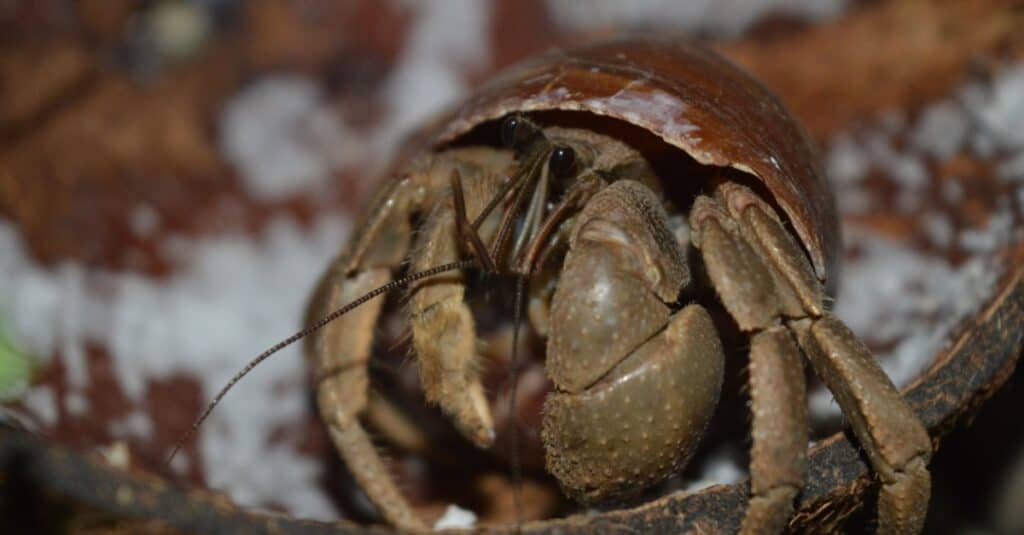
{"x":15,"y":369}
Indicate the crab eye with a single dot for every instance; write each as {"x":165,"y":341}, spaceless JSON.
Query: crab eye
{"x":562,"y":162}
{"x":509,"y":129}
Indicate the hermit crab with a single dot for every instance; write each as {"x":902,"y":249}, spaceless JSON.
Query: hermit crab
{"x":635,"y":184}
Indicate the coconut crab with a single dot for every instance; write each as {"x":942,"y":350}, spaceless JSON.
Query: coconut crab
{"x":635,"y":357}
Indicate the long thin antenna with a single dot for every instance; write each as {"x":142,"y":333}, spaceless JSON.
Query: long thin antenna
{"x":462,"y":264}
{"x":513,"y":373}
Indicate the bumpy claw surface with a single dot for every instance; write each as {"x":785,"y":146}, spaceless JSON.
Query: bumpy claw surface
{"x":641,"y":423}
{"x":636,"y":384}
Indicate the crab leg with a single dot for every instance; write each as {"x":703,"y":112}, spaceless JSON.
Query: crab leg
{"x":340,"y":354}
{"x":779,"y":429}
{"x":895,"y":440}
{"x":444,"y":335}
{"x":778,"y":401}
{"x":766,"y":283}
{"x":341,"y":350}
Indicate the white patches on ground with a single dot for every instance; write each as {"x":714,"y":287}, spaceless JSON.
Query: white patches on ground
{"x":135,"y":424}
{"x":232,"y":296}
{"x":939,"y":228}
{"x":999,"y":110}
{"x":180,"y":463}
{"x":941,"y":130}
{"x":117,"y":454}
{"x":455,"y":518}
{"x":983,"y":118}
{"x":254,"y":474}
{"x":977,"y":117}
{"x":74,"y":326}
{"x":721,"y":468}
{"x":891,"y":294}
{"x":76,"y":404}
{"x":1012,"y":169}
{"x":34,"y":303}
{"x":448,"y":39}
{"x":999,"y":230}
{"x":285,"y":139}
{"x":952,"y":191}
{"x":996,"y":110}
{"x":727,"y":18}
{"x":41,"y":403}
{"x":20,"y":302}
{"x":144,"y":220}
{"x":906,"y":168}
{"x":848,"y":163}
{"x":895,"y":296}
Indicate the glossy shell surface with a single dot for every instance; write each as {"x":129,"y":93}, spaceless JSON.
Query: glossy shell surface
{"x":688,"y":96}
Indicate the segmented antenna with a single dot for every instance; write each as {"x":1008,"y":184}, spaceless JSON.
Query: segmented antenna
{"x":520,"y":186}
{"x":513,"y":373}
{"x":451,"y":266}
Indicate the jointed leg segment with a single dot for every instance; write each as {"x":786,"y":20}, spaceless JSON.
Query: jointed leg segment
{"x":444,"y":334}
{"x":765,"y":282}
{"x":341,"y":349}
{"x":751,"y":294}
{"x":342,"y":383}
{"x":779,"y":429}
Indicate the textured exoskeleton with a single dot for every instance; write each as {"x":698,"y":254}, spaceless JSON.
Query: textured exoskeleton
{"x":636,"y":361}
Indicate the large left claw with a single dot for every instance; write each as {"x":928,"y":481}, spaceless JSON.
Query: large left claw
{"x":643,"y":421}
{"x":636,"y":385}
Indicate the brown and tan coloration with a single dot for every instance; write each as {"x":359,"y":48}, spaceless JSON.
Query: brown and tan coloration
{"x":686,"y":95}
{"x":636,"y":362}
{"x":824,"y":95}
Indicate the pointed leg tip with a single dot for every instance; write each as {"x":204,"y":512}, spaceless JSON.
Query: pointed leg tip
{"x":485,"y":438}
{"x":478,"y":432}
{"x":470,"y":412}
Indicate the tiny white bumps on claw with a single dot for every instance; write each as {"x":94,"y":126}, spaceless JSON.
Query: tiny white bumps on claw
{"x":455,"y":517}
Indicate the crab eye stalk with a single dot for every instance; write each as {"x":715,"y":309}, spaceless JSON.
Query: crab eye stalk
{"x":562,"y":162}
{"x":520,"y":134}
{"x":509,"y":129}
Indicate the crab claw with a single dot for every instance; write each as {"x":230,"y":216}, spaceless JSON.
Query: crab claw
{"x":642,"y":422}
{"x":444,"y":337}
{"x":635,"y":384}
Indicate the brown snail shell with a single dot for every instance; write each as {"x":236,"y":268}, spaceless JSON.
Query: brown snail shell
{"x":683,"y":93}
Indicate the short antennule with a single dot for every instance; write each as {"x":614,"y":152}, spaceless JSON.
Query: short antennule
{"x":319,"y":324}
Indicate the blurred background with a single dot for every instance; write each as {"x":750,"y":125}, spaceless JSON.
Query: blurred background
{"x":175,"y":175}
